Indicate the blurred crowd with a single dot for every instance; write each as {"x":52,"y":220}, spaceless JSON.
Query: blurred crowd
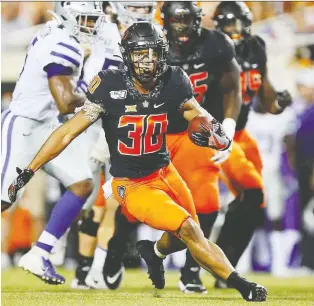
{"x":296,"y":156}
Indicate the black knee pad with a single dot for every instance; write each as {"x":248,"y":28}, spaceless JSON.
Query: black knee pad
{"x":5,"y":205}
{"x":253,"y":198}
{"x":88,"y":226}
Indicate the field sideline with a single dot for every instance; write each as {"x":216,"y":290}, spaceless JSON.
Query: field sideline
{"x":19,"y":288}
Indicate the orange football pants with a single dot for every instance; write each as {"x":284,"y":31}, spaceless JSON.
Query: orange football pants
{"x":200,"y":174}
{"x":243,"y":169}
{"x":100,"y":200}
{"x":160,"y":200}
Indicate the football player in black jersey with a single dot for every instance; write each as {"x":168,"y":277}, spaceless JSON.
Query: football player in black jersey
{"x":246,"y":212}
{"x":135,"y":103}
{"x":208,"y":57}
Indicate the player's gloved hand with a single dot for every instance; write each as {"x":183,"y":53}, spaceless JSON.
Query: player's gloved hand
{"x":23,"y":178}
{"x":284,"y":99}
{"x":221,"y":156}
{"x":215,"y":138}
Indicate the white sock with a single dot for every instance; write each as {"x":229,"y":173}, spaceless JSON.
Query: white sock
{"x":279,"y":257}
{"x":99,"y":259}
{"x":47,"y":238}
{"x":39,"y":251}
{"x":157,"y":252}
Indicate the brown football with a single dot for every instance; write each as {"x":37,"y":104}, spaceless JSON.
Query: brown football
{"x":200,"y":124}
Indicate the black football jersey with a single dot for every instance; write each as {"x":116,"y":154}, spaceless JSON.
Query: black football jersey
{"x":205,"y":64}
{"x":251,"y":56}
{"x":135,"y":124}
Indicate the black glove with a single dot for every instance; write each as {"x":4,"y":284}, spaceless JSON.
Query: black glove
{"x":284,"y":98}
{"x":23,"y":178}
{"x":200,"y":139}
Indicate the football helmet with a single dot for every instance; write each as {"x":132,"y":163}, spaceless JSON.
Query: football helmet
{"x":234,"y":19}
{"x":82,"y":19}
{"x":182,"y":21}
{"x":131,"y":12}
{"x":151,"y":41}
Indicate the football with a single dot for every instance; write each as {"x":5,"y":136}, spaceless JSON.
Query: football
{"x":200,"y":124}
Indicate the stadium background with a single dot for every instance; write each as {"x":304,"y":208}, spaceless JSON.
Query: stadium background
{"x":287,"y":28}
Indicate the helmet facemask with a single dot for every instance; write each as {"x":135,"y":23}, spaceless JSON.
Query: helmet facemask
{"x":81,"y":19}
{"x":182,"y":23}
{"x":88,"y":27}
{"x":181,"y":29}
{"x":231,"y":26}
{"x":146,"y":62}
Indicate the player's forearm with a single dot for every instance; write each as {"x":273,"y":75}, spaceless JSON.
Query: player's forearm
{"x":63,"y":91}
{"x":70,"y":101}
{"x":268,"y":96}
{"x":54,"y":145}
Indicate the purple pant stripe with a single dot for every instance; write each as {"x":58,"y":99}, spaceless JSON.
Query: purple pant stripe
{"x":4,"y":115}
{"x":9,"y":140}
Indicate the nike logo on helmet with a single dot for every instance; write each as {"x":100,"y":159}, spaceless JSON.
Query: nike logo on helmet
{"x":114,"y":278}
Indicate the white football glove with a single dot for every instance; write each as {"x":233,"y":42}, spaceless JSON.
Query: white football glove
{"x":221,"y":156}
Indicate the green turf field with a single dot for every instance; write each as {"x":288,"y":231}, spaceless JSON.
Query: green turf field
{"x":20,"y":288}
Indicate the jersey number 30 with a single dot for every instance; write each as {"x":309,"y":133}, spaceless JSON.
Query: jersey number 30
{"x":144,"y":140}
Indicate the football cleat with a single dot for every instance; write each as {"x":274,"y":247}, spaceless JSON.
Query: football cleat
{"x":80,"y":276}
{"x":77,"y":284}
{"x":113,"y":270}
{"x":221,"y":284}
{"x":190,"y":281}
{"x":257,"y":293}
{"x":156,"y":271}
{"x":40,"y":267}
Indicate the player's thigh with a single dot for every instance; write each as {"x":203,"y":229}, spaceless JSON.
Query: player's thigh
{"x":251,"y":150}
{"x":98,"y":181}
{"x":196,"y":169}
{"x":178,"y":190}
{"x":203,"y":184}
{"x":72,"y":165}
{"x":150,"y":204}
{"x":17,"y":148}
{"x":239,"y":173}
